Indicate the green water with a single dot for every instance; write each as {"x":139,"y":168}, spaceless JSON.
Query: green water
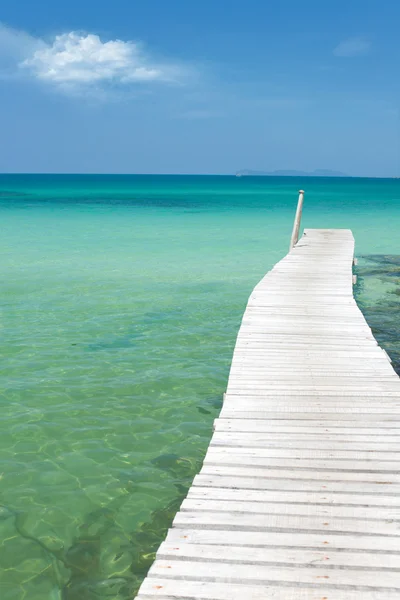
{"x":121,"y":300}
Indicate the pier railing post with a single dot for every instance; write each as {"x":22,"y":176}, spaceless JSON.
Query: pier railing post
{"x":296,"y":225}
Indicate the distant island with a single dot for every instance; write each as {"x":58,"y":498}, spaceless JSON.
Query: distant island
{"x":283,"y":173}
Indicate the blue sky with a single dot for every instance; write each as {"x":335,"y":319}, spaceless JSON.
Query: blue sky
{"x":181,"y":86}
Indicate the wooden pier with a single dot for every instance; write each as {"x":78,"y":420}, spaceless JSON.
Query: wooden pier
{"x":299,"y":494}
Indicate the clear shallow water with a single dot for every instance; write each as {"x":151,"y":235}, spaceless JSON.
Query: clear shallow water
{"x":121,"y":300}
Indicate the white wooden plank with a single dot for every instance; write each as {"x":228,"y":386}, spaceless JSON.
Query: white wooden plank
{"x":158,"y":588}
{"x":309,"y":478}
{"x":316,"y":378}
{"x":273,"y":539}
{"x":248,"y":522}
{"x":251,"y":440}
{"x":218,"y":456}
{"x":266,"y":574}
{"x":258,"y":386}
{"x":374,"y":513}
{"x":237,"y":421}
{"x":287,"y":497}
{"x":275,"y":556}
{"x":322,"y":407}
{"x":376,"y":422}
{"x":268,"y":399}
{"x":285,"y":371}
{"x":307,"y":454}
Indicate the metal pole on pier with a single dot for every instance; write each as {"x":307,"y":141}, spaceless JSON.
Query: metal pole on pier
{"x":296,"y":225}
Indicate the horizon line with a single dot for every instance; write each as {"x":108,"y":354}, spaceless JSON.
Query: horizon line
{"x":235,"y":175}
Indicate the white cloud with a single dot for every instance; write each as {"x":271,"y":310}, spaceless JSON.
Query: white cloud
{"x":76,"y":58}
{"x":356,"y":46}
{"x":79,"y":61}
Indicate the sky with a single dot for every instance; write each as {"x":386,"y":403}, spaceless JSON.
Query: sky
{"x":190,"y":86}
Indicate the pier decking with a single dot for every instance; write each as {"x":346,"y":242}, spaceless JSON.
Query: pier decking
{"x":299,"y":494}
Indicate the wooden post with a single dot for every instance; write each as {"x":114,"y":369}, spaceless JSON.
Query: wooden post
{"x":297,"y":219}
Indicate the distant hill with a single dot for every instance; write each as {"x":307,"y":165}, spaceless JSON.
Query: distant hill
{"x":284,"y":173}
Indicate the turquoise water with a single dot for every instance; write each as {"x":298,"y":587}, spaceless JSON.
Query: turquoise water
{"x":121,"y":300}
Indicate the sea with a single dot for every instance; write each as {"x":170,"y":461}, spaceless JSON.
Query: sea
{"x":121,"y":298}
